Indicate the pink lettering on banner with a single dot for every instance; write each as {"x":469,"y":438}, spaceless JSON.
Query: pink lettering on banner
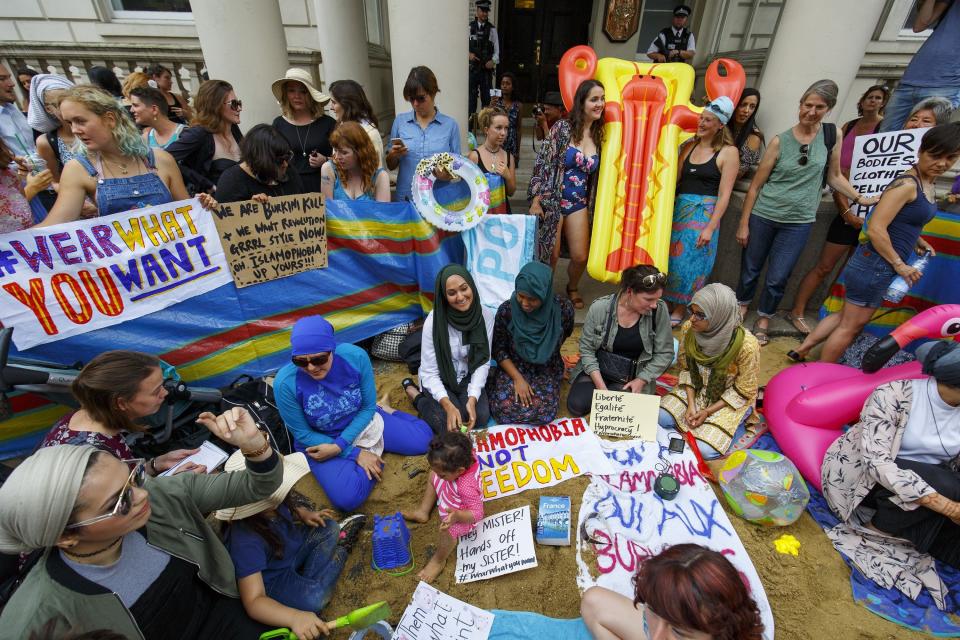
{"x":619,"y":552}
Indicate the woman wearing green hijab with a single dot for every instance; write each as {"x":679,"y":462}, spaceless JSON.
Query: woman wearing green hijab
{"x":716,"y":392}
{"x":454,"y":355}
{"x":527,"y":333}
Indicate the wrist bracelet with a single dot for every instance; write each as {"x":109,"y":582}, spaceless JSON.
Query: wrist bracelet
{"x":153,"y":465}
{"x":260,"y":451}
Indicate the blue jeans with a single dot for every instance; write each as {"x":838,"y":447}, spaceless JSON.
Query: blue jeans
{"x":906,"y":96}
{"x":666,"y":421}
{"x":782,"y":243}
{"x":309,"y":584}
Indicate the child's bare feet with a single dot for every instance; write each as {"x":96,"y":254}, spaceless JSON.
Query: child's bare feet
{"x":433,"y":569}
{"x":417,"y":515}
{"x":384,"y":403}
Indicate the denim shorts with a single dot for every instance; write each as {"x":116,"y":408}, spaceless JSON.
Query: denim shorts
{"x":866,"y":277}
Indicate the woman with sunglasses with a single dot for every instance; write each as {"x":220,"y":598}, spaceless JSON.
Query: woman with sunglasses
{"x":355,"y":173}
{"x":454,"y":356}
{"x":626,"y":342}
{"x":562,"y":187}
{"x":421,"y":132}
{"x":117,"y":391}
{"x":264,"y":169}
{"x":686,"y":591}
{"x":350,"y":104}
{"x":113,"y":166}
{"x":716,"y":392}
{"x":708,"y":170}
{"x":128,"y":552}
{"x":211,"y":144}
{"x":781,"y":204}
{"x":889,"y":245}
{"x":845,"y":228}
{"x":327,"y":397}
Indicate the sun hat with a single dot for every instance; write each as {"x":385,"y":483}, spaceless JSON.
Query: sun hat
{"x":303,"y":77}
{"x":294,"y":467}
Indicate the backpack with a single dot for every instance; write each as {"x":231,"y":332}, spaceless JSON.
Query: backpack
{"x":829,"y":141}
{"x":256,"y":395}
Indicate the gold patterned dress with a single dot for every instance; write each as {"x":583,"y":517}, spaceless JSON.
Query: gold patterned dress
{"x":739,"y":396}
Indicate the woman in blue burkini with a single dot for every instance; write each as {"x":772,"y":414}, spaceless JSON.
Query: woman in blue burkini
{"x":113,"y":165}
{"x":327,"y":398}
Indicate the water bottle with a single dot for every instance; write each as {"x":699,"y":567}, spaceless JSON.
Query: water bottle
{"x":899,"y":287}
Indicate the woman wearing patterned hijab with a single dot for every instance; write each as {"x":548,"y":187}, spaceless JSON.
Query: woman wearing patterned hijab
{"x":454,"y":355}
{"x":527,"y":334}
{"x":719,"y":361}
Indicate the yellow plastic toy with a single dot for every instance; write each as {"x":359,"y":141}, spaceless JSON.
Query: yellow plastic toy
{"x":787,"y":545}
{"x":646,"y":118}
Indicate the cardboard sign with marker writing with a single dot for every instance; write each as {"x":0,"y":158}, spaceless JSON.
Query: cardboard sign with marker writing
{"x":264,"y":242}
{"x":501,"y":543}
{"x":432,"y":614}
{"x":621,"y":414}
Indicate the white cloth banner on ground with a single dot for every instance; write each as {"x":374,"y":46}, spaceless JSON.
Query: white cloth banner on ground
{"x":496,"y":250}
{"x":501,"y":543}
{"x":433,"y":614}
{"x":514,"y":458}
{"x":627,"y":523}
{"x":72,"y":278}
{"x":878,"y":158}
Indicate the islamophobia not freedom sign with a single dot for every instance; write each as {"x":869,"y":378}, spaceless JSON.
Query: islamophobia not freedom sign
{"x":72,"y":278}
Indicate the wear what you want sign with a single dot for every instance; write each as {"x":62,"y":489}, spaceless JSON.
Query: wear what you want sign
{"x":432,"y":615}
{"x":515,"y":458}
{"x":878,"y":159}
{"x":273,"y":239}
{"x":501,"y":543}
{"x":72,"y":278}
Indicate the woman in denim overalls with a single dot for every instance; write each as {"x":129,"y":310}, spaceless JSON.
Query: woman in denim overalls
{"x":113,"y":165}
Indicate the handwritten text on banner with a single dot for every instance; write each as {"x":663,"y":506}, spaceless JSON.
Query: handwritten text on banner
{"x":501,"y":543}
{"x":879,"y":158}
{"x":75,"y":277}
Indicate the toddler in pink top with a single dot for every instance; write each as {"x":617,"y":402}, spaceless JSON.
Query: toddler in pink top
{"x":455,"y":488}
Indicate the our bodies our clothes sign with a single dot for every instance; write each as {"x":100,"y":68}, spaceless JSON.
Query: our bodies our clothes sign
{"x":514,"y":458}
{"x":878,"y":158}
{"x":72,"y":278}
{"x":623,"y":523}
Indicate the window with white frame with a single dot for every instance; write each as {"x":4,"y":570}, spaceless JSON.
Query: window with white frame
{"x":152,"y":9}
{"x":371,"y":10}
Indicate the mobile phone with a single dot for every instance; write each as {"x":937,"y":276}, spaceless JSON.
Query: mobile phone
{"x":676,"y":444}
{"x":397,"y":142}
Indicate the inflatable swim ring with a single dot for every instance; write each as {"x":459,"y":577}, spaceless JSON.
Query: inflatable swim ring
{"x":808,"y":405}
{"x":435,"y":213}
{"x":647,"y":116}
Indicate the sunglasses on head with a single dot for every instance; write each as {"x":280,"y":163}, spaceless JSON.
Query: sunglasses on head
{"x":125,"y":499}
{"x":235,"y":104}
{"x":716,"y":109}
{"x":303,"y":361}
{"x":804,"y":155}
{"x":653,"y":280}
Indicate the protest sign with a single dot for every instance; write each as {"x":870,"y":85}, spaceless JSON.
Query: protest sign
{"x":433,"y":614}
{"x":496,"y":250}
{"x":622,"y":522}
{"x":501,"y":543}
{"x":515,"y":458}
{"x":76,"y":277}
{"x":275,"y":239}
{"x":621,"y":414}
{"x":879,"y":158}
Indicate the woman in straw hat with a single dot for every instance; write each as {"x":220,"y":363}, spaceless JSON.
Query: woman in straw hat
{"x":126,"y":552}
{"x":304,"y":124}
{"x":287,"y":554}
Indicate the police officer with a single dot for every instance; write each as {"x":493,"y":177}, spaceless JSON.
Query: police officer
{"x":674,"y":43}
{"x":484,"y":55}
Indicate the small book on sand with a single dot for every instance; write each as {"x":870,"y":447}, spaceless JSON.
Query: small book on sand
{"x":553,"y":520}
{"x":209,"y":455}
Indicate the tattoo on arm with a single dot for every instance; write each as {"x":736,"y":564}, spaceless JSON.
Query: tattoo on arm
{"x":326,"y":179}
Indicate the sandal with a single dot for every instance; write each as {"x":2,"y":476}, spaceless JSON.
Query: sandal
{"x":408,"y":382}
{"x":760,"y":334}
{"x":799,"y":323}
{"x":575,"y":298}
{"x":794,"y":356}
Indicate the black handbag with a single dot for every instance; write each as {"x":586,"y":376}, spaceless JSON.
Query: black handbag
{"x":613,"y":366}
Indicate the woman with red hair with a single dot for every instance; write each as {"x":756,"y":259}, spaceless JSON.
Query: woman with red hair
{"x":687,"y":591}
{"x":357,"y":174}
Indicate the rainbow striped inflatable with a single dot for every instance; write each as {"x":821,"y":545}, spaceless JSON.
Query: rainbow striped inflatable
{"x":383,"y":259}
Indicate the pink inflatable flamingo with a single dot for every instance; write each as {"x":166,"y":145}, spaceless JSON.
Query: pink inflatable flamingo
{"x":807,"y":405}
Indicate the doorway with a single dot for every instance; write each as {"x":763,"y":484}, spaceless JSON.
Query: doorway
{"x":534,"y":34}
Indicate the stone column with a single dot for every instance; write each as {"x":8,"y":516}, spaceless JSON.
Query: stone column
{"x":815,"y":39}
{"x":343,"y":42}
{"x":432,"y":33}
{"x":243,"y":43}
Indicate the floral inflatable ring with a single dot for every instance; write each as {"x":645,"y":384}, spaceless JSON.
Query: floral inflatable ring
{"x":435,"y":213}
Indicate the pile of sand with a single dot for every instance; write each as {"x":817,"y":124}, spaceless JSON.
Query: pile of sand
{"x":810,"y":594}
